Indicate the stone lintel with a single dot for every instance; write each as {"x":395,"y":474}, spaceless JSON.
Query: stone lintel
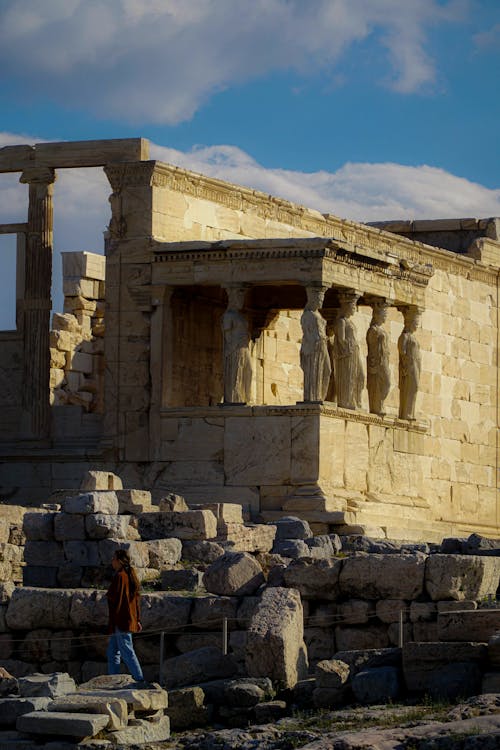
{"x":73,"y":154}
{"x":13,"y":228}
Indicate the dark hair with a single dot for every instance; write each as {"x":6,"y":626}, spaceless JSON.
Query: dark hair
{"x":123,"y":556}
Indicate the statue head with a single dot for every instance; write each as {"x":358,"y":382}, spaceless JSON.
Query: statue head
{"x":235,"y":297}
{"x":379,"y":312}
{"x":348,"y":303}
{"x":315,"y":297}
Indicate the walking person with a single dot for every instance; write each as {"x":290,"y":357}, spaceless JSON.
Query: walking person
{"x":124,"y":616}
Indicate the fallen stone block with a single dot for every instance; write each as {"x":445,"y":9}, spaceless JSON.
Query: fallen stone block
{"x":291,"y":527}
{"x":12,"y":708}
{"x":181,"y":580}
{"x":201,"y":552}
{"x":192,"y":524}
{"x":315,"y":579}
{"x":424,"y":665}
{"x":331,"y":673}
{"x":461,"y":576}
{"x":67,"y":724}
{"x":237,"y":537}
{"x":234,"y":574}
{"x":476,"y":625}
{"x":134,"y":502}
{"x":375,"y":576}
{"x":124,"y":688}
{"x":275,"y":645}
{"x":46,"y":685}
{"x":291,"y":548}
{"x":114,"y":708}
{"x":173,"y":502}
{"x":100,"y":480}
{"x":358,"y":660}
{"x":92,"y":502}
{"x":379,"y":685}
{"x":269,"y":711}
{"x":104,"y":525}
{"x":141,"y":731}
{"x":163,"y":553}
{"x":186,"y":708}
{"x":198,"y":666}
{"x":321,"y":546}
{"x":244,"y":694}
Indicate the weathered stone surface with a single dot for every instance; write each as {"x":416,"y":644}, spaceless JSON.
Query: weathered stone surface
{"x":378,"y":685}
{"x":270,"y":711}
{"x":46,"y":685}
{"x":355,"y":612}
{"x":239,"y":537}
{"x":164,"y":553}
{"x":186,"y":708}
{"x":234,"y":574}
{"x":134,"y":501}
{"x":36,"y":646}
{"x":422,"y":611}
{"x":480,"y":545}
{"x":138,"y":551}
{"x":67,"y":724}
{"x":476,"y":625}
{"x":370,"y":658}
{"x":104,"y":525}
{"x":352,"y":639}
{"x":181,"y":580}
{"x":493,"y":650}
{"x":92,"y":502}
{"x":100,"y":480}
{"x":202,"y":551}
{"x":89,"y":609}
{"x":374,"y":576}
{"x":39,"y":526}
{"x":244,"y":694}
{"x":291,"y":548}
{"x":328,"y":697}
{"x":68,"y":526}
{"x":115,"y":708}
{"x":12,"y":708}
{"x":192,"y":524}
{"x":159,"y":610}
{"x":321,"y":546}
{"x":331,"y":673}
{"x":6,"y":589}
{"x":389,"y":610}
{"x":142,"y":731}
{"x":208,"y":612}
{"x":124,"y":688}
{"x":275,"y":646}
{"x":43,"y":554}
{"x":461,"y":576}
{"x":424,"y":663}
{"x":197,"y":666}
{"x":320,"y":643}
{"x":173,"y":502}
{"x":30,"y":607}
{"x":490,"y":682}
{"x":291,"y":527}
{"x":83,"y":553}
{"x":315,"y":579}
{"x":8,"y":683}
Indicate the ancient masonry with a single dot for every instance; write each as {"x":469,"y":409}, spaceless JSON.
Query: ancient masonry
{"x":235,"y":347}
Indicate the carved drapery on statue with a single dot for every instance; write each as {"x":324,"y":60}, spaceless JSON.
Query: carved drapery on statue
{"x":349,"y":375}
{"x":409,"y":362}
{"x":237,"y":360}
{"x":37,"y":301}
{"x":378,"y":376}
{"x":314,"y":356}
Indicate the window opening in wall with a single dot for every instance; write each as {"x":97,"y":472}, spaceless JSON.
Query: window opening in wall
{"x":8,"y":247}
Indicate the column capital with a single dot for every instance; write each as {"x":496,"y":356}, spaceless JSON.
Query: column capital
{"x":38,"y":176}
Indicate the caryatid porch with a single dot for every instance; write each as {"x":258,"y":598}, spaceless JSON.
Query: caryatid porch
{"x":219,"y":418}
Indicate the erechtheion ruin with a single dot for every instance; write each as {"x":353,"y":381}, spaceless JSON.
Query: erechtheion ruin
{"x":235,"y":347}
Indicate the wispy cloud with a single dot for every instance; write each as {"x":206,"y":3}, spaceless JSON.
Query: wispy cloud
{"x":160,"y":60}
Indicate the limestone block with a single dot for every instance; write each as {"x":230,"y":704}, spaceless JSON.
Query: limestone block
{"x":315,"y":579}
{"x":89,"y":609}
{"x":134,"y":501}
{"x":356,"y":455}
{"x":421,"y":631}
{"x":92,"y":502}
{"x":181,"y":580}
{"x":176,"y":502}
{"x":422,"y":611}
{"x":461,"y":576}
{"x":234,"y":574}
{"x":320,"y":643}
{"x":138,"y":551}
{"x":186,"y":708}
{"x":388,"y":610}
{"x":291,"y":527}
{"x":68,"y":526}
{"x":477,"y":625}
{"x":449,"y":605}
{"x":352,"y":639}
{"x":123,"y":687}
{"x":41,"y":577}
{"x":69,"y":576}
{"x":246,"y":537}
{"x":257,"y":451}
{"x":141,"y":732}
{"x":84,"y":264}
{"x":46,"y":685}
{"x":423,"y":661}
{"x":82,"y":553}
{"x":30,"y":608}
{"x":164,"y":553}
{"x":201,"y":552}
{"x":67,"y":724}
{"x":161,"y":610}
{"x":198,"y":666}
{"x":193,"y":524}
{"x":100,"y":480}
{"x":39,"y":526}
{"x":10,"y":553}
{"x":377,"y":576}
{"x":61,"y":341}
{"x":44,"y":554}
{"x":328,"y":697}
{"x":115,"y":708}
{"x":57,"y":374}
{"x":379,"y":685}
{"x":103,"y":525}
{"x":6,"y":590}
{"x":4,"y":530}
{"x":65,"y":322}
{"x":64,"y":646}
{"x":36,"y":646}
{"x":291,"y":548}
{"x":209,"y":612}
{"x":12,"y":708}
{"x":355,"y":612}
{"x":275,"y":646}
{"x":331,"y":673}
{"x":321,"y":546}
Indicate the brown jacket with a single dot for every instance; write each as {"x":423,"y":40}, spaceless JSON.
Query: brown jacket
{"x":124,"y":609}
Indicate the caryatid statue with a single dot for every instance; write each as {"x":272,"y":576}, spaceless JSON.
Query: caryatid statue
{"x":378,"y":376}
{"x":410,"y":363}
{"x":237,"y":359}
{"x":349,"y":375}
{"x":314,"y":356}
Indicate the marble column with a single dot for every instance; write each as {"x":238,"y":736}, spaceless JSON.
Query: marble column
{"x":37,"y":301}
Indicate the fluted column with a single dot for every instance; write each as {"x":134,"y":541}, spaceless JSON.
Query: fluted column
{"x":37,"y":302}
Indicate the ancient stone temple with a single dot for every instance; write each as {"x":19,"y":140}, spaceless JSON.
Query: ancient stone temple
{"x":236,"y":347}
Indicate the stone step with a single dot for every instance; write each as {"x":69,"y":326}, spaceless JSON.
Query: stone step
{"x":67,"y":724}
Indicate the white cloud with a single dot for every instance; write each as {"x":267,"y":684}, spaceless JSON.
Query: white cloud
{"x":364,"y":192}
{"x":165,"y":58}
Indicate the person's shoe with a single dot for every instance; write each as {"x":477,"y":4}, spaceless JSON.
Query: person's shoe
{"x":142,"y":684}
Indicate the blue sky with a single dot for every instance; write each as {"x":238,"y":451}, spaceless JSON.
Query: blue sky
{"x":369,"y":109}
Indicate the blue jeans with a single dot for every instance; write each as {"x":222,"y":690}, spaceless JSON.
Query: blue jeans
{"x":120,"y":647}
